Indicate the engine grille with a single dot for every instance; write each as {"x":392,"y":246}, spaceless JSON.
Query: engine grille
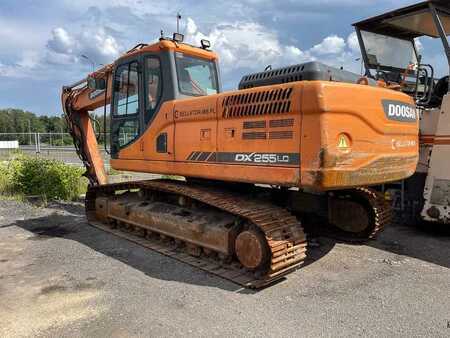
{"x":281,"y":123}
{"x":281,"y":135}
{"x":262,"y":102}
{"x":254,"y":136}
{"x":254,"y":124}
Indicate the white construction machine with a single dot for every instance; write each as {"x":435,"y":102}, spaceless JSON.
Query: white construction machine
{"x":388,"y":44}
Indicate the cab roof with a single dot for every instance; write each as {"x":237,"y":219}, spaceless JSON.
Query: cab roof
{"x":409,"y":22}
{"x":168,"y":44}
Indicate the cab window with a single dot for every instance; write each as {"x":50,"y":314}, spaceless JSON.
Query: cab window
{"x":126,"y":90}
{"x":153,"y":85}
{"x":196,"y":77}
{"x":127,"y":132}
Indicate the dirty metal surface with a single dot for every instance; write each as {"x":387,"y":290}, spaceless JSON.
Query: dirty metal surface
{"x":282,"y":233}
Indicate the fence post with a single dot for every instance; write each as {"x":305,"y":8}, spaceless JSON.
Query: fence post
{"x":38,"y":143}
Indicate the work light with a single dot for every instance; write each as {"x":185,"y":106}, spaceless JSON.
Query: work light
{"x":177,"y":37}
{"x":205,"y":43}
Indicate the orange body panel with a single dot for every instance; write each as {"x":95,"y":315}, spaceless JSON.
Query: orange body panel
{"x":317,"y":135}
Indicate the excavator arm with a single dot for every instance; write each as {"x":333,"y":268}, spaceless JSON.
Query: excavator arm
{"x":78,"y":100}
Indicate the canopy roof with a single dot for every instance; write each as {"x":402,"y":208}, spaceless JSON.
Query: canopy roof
{"x":409,"y":22}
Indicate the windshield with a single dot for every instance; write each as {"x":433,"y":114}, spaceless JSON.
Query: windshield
{"x":196,"y":77}
{"x":386,"y":51}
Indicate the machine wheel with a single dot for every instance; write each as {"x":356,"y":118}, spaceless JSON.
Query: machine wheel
{"x":252,"y":250}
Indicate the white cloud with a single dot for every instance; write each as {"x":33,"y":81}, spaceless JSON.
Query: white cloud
{"x":30,"y":59}
{"x":244,"y":45}
{"x":419,"y":45}
{"x":61,"y":41}
{"x":353,"y":43}
{"x":4,"y":71}
{"x":330,"y":45}
{"x":13,"y":71}
{"x":62,"y":54}
{"x":95,"y":43}
{"x":251,"y":46}
{"x":191,"y":28}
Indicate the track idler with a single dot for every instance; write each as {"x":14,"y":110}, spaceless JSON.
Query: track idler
{"x":252,"y":250}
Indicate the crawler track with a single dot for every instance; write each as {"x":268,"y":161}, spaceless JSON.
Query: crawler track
{"x":282,"y":231}
{"x":378,"y":210}
{"x":381,"y":210}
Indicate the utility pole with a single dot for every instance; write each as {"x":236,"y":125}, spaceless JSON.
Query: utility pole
{"x":178,"y":22}
{"x":29,"y":130}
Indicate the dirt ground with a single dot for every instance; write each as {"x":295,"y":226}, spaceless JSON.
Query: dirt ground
{"x":61,"y":277}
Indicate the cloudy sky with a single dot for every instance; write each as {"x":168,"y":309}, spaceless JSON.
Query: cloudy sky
{"x":42,"y":40}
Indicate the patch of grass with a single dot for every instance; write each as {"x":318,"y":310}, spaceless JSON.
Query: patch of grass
{"x":53,"y":180}
{"x":6,"y":186}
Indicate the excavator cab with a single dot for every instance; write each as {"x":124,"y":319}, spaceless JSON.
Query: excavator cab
{"x":390,"y":53}
{"x":148,"y":77}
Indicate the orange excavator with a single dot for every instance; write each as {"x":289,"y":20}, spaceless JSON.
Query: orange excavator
{"x":301,"y":141}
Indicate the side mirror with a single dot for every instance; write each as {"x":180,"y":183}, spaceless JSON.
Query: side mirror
{"x":96,"y":84}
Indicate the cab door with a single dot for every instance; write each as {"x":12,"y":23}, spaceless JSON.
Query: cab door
{"x":157,"y":141}
{"x":126,"y":117}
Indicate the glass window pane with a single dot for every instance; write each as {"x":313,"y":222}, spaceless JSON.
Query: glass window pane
{"x":127,"y":132}
{"x":121,"y":93}
{"x":153,"y":86}
{"x":126,"y":89}
{"x":196,"y":77}
{"x":133,"y":89}
{"x":388,"y":51}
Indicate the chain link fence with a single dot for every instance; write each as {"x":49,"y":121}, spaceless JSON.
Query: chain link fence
{"x":57,"y":146}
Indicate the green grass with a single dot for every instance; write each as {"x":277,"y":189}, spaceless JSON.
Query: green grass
{"x":6,"y":186}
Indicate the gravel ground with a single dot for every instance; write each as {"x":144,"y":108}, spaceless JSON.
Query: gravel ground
{"x":61,"y":277}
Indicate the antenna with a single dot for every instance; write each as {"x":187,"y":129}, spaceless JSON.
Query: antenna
{"x":178,"y":22}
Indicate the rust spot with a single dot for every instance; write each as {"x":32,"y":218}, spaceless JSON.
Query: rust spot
{"x":250,"y":249}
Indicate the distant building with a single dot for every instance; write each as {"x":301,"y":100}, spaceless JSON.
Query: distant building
{"x":9,"y":144}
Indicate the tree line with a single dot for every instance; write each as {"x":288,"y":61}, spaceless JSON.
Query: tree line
{"x":17,"y":121}
{"x":20,"y":121}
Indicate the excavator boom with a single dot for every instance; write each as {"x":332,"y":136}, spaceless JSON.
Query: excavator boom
{"x":77,"y":101}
